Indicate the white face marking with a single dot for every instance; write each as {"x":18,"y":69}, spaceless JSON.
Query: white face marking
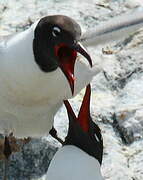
{"x":96,"y":138}
{"x":82,"y":46}
{"x":56,"y":31}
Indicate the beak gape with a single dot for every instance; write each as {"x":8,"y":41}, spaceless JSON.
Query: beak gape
{"x":67,"y":56}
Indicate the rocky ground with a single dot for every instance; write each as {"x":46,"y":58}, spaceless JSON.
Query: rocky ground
{"x":117,"y":91}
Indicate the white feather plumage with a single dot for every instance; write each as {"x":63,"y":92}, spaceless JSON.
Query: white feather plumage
{"x":71,"y":163}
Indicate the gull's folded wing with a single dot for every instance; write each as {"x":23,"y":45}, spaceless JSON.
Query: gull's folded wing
{"x":6,"y":38}
{"x":114,"y":29}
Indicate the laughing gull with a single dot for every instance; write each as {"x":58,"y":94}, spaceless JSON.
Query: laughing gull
{"x":37,"y":72}
{"x":40,"y":67}
{"x":81,"y":155}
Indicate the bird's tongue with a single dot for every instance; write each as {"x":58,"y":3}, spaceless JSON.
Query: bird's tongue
{"x":67,"y":57}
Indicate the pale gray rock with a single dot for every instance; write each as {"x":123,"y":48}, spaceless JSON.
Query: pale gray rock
{"x":31,"y":162}
{"x":135,"y":161}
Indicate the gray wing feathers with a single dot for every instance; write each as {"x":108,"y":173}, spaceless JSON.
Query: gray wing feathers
{"x":114,"y":29}
{"x":6,"y":38}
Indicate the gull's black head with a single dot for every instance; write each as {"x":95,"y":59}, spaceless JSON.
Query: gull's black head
{"x":83,"y":132}
{"x":56,"y":43}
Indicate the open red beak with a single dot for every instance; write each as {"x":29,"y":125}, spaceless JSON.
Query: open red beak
{"x":67,"y":56}
{"x":84,"y":114}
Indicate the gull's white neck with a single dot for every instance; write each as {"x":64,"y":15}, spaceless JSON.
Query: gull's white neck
{"x":18,"y":53}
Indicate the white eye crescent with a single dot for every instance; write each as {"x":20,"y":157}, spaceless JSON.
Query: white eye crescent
{"x":56,"y":31}
{"x":96,"y":138}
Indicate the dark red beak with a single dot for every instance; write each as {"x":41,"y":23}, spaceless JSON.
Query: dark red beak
{"x":67,"y":56}
{"x":84,"y":113}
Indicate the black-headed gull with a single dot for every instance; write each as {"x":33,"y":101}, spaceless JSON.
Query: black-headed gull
{"x":81,"y":155}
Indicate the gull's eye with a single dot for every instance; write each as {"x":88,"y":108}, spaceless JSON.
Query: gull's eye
{"x":56,"y":31}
